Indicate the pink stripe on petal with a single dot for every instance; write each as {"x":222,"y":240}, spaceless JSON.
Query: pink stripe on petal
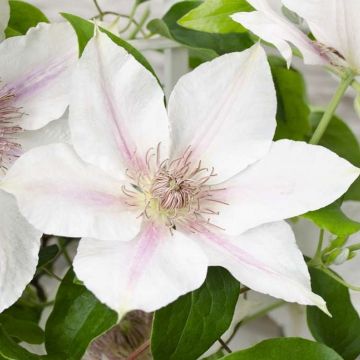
{"x":146,"y":246}
{"x":123,"y":138}
{"x":32,"y":83}
{"x":234,"y":251}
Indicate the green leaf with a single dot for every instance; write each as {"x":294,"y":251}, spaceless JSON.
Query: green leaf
{"x":285,"y":349}
{"x":219,"y":43}
{"x":10,"y":350}
{"x":85,"y":31}
{"x":77,"y":318}
{"x":342,"y":330}
{"x":22,"y":330}
{"x":23,"y":16}
{"x":27,"y":307}
{"x":213,"y":16}
{"x":186,"y":328}
{"x":47,"y":254}
{"x":331,"y":218}
{"x":293,"y":110}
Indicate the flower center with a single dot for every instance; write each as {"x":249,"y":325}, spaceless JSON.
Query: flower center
{"x":176,"y":192}
{"x":9,"y":129}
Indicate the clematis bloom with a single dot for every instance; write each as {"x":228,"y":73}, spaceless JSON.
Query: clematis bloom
{"x":334,"y":24}
{"x":34,"y":77}
{"x":154,"y":209}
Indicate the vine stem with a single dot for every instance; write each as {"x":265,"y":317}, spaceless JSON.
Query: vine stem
{"x":98,"y":8}
{"x":331,"y":108}
{"x":139,"y":350}
{"x":354,"y":247}
{"x":224,"y":345}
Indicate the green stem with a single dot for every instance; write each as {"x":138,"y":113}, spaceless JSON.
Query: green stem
{"x":224,"y":345}
{"x":139,"y":26}
{"x":354,"y":247}
{"x":255,"y":316}
{"x":131,"y":17}
{"x":330,"y":110}
{"x":101,"y":13}
{"x":51,"y":274}
{"x":317,"y":259}
{"x":339,"y":279}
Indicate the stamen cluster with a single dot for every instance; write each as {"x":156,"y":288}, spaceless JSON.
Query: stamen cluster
{"x":174,"y":191}
{"x":9,"y":129}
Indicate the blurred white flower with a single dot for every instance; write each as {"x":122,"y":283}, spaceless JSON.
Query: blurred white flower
{"x":34,"y":79}
{"x":334,"y":24}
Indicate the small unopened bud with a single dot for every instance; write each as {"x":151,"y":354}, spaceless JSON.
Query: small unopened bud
{"x":337,"y":256}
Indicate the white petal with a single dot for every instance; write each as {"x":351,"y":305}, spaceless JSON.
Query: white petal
{"x":272,"y":26}
{"x":292,"y":179}
{"x":54,"y":132}
{"x":334,"y":23}
{"x":37,"y":68}
{"x":265,"y":259}
{"x":225,"y":110}
{"x":60,"y":194}
{"x":4,"y":17}
{"x":117,"y":109}
{"x":146,"y":273}
{"x":19,"y":248}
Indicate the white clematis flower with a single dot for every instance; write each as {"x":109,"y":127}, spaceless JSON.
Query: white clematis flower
{"x":334,"y":23}
{"x":153,"y":217}
{"x":34,"y":78}
{"x":4,"y":17}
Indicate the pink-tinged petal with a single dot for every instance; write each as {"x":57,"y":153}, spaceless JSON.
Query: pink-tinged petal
{"x":225,"y":110}
{"x":60,"y":194}
{"x":19,"y":248}
{"x":334,"y":23}
{"x":265,"y":259}
{"x":292,"y":179}
{"x":117,"y":110}
{"x":271,"y":25}
{"x":36,"y":68}
{"x":146,"y":273}
{"x":4,"y":17}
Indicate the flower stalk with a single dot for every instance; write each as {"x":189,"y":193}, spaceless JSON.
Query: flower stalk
{"x":345,"y":82}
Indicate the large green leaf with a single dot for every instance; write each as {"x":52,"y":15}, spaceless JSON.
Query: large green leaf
{"x":331,"y":218}
{"x":23,"y":16}
{"x":342,"y":330}
{"x":293,"y":111}
{"x":220,"y":43}
{"x":77,"y":318}
{"x":214,"y":16}
{"x":186,"y":328}
{"x":85,"y":31}
{"x":285,"y":349}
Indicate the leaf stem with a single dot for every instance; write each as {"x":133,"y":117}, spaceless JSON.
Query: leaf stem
{"x":317,"y":259}
{"x":139,"y":26}
{"x":101,"y":13}
{"x":345,"y":82}
{"x":224,"y":345}
{"x":354,"y":247}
